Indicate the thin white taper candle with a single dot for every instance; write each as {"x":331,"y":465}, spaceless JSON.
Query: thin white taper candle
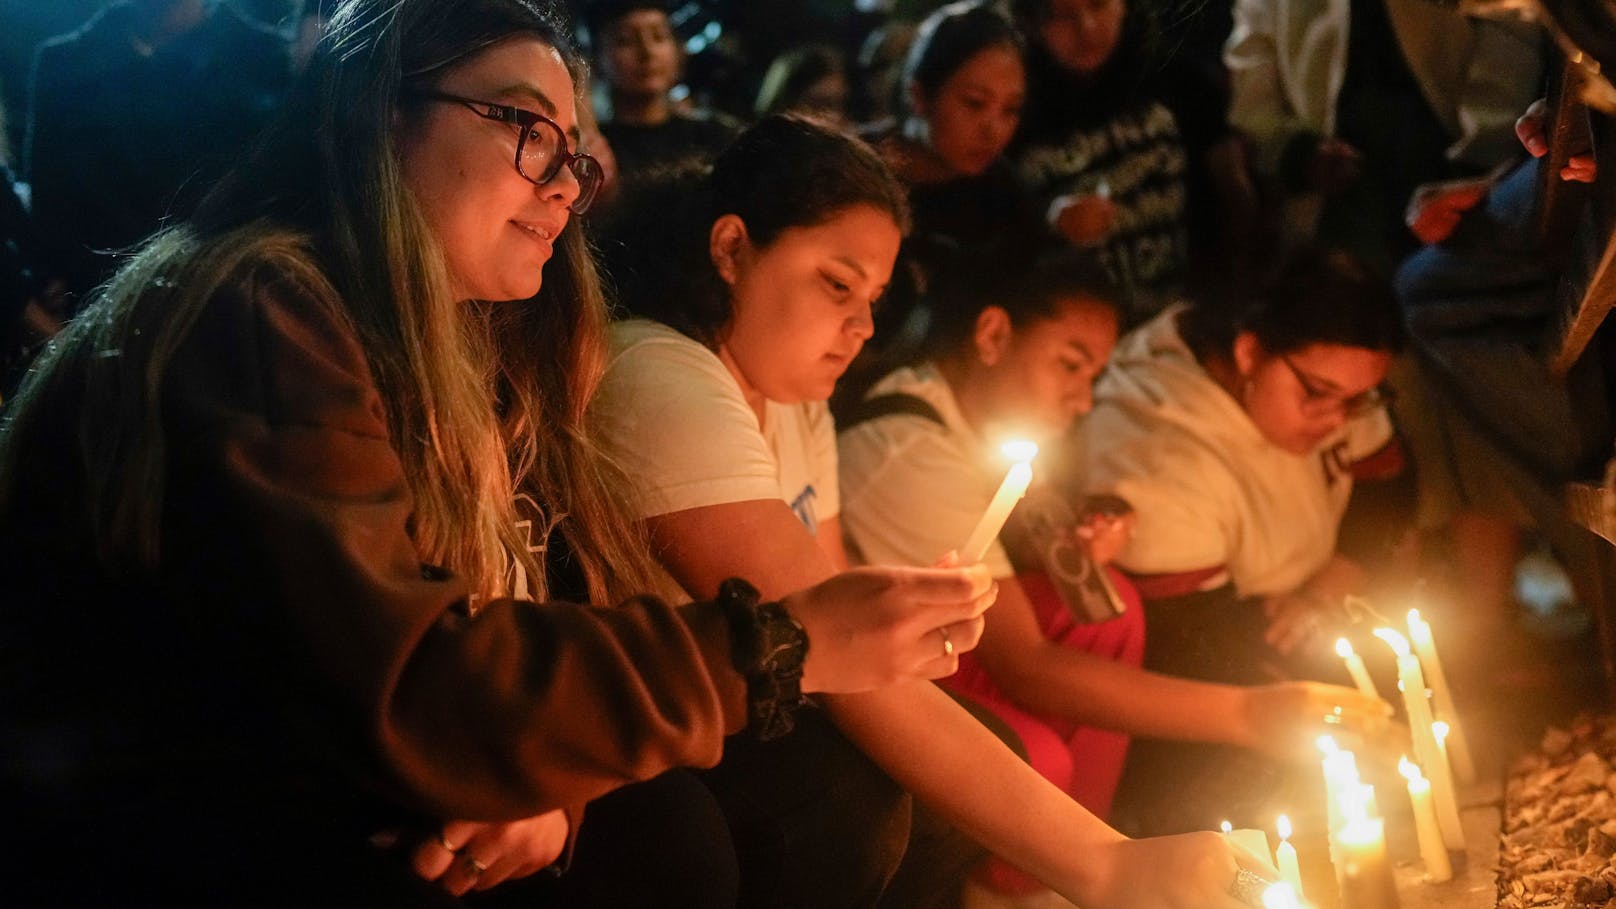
{"x":1419,"y":634}
{"x":1010,"y":492}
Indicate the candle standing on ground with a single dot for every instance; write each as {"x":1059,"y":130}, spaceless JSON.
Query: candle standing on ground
{"x":1426,"y":752}
{"x":1340,"y":773}
{"x":1419,"y":633}
{"x":1285,"y":856}
{"x":1010,"y":492}
{"x":1432,"y":850}
{"x":1365,"y":874}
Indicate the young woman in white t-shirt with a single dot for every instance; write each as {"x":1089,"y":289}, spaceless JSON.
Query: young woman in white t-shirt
{"x":786,"y":245}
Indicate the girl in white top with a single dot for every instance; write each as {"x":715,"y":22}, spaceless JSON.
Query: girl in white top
{"x":797,"y":228}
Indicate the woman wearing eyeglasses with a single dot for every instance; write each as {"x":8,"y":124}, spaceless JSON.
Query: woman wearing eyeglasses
{"x":1236,"y":429}
{"x":282,"y":510}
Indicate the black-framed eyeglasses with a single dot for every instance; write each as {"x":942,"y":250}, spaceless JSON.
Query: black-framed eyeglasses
{"x":1319,"y":401}
{"x":541,"y":146}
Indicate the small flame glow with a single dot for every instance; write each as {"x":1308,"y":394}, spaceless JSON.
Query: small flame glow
{"x":1409,"y":769}
{"x":1440,"y":730}
{"x":1394,"y":640}
{"x":1019,"y":450}
{"x":1414,"y":618}
{"x":1226,"y":827}
{"x":1280,"y":896}
{"x":1343,"y":648}
{"x":1284,"y":827}
{"x":1326,"y":744}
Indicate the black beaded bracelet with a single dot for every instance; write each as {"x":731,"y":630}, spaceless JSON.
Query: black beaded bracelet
{"x":768,"y":648}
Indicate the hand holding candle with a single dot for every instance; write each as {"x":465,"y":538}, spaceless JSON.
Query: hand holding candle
{"x":1010,"y":492}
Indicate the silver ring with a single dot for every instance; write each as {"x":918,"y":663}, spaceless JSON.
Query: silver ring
{"x":447,"y":845}
{"x":477,"y":868}
{"x":948,"y":644}
{"x":1248,"y":887}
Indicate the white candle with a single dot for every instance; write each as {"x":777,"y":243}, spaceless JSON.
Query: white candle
{"x":1366,"y":876}
{"x":1419,"y":633}
{"x":1432,"y":850}
{"x":1010,"y":492}
{"x":1365,"y":794}
{"x":1355,"y":667}
{"x":1290,"y":870}
{"x":1425,"y":747}
{"x":1340,"y":775}
{"x":1444,"y":769}
{"x":1340,"y":779}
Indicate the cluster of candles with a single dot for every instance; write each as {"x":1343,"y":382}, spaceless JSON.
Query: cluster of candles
{"x":1357,"y":831}
{"x":1441,"y":752}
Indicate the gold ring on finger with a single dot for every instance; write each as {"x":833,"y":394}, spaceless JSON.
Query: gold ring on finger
{"x":948,"y":643}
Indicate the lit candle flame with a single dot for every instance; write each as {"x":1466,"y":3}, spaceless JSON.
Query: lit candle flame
{"x":1395,"y":640}
{"x":1280,"y":896}
{"x":1019,"y":450}
{"x":1326,"y":744}
{"x":1441,"y":729}
{"x":1226,"y":827}
{"x":1409,"y":769}
{"x":1343,"y":648}
{"x":1284,"y":826}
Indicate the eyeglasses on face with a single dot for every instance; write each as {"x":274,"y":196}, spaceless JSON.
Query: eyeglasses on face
{"x":541,"y":146}
{"x":1318,"y":401}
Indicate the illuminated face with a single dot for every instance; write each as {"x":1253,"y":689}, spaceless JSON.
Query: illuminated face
{"x":1082,"y":34}
{"x":641,"y":54}
{"x":497,"y":230}
{"x":1298,"y":399}
{"x":802,"y":304}
{"x":1045,"y":379}
{"x":973,"y":114}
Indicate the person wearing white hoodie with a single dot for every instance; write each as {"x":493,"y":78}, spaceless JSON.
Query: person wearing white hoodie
{"x":1236,"y":432}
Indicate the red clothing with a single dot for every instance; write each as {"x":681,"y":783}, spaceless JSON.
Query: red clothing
{"x":1085,"y":762}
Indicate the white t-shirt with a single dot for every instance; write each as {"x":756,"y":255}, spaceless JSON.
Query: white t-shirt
{"x":913,"y":490}
{"x":676,"y":420}
{"x":1208,"y":489}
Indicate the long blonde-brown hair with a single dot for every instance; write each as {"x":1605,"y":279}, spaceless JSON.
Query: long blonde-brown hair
{"x":483,"y":399}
